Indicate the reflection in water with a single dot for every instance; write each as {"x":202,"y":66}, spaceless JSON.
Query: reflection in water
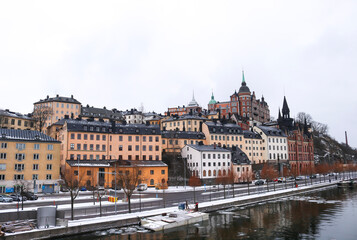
{"x":328,"y":214}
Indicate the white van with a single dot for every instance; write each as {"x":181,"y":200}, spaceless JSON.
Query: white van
{"x":142,"y":187}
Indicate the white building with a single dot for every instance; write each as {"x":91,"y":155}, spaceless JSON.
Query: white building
{"x":207,"y":161}
{"x":276,"y":143}
{"x":133,"y":117}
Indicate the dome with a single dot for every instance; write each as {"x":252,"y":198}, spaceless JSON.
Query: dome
{"x":243,"y":88}
{"x":212,"y":101}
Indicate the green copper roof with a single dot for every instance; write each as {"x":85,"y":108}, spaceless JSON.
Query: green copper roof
{"x":243,"y":80}
{"x":212,"y":101}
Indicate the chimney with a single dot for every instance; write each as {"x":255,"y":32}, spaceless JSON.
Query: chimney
{"x":48,"y":97}
{"x":346,"y":138}
{"x":72,"y":96}
{"x":57,"y":95}
{"x":66,"y":117}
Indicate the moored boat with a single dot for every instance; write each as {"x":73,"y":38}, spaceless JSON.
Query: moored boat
{"x":346,"y":183}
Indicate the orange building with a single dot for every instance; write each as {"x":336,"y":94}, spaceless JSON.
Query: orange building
{"x":14,"y":120}
{"x":96,"y":141}
{"x":103,"y":172}
{"x":174,"y":141}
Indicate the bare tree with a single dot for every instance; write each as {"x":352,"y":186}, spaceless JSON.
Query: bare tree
{"x":194,"y":182}
{"x":129,"y":180}
{"x":269,"y":173}
{"x":72,"y":183}
{"x":302,"y":117}
{"x":41,"y":114}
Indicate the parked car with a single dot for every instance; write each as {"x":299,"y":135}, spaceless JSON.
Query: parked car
{"x":281,"y":179}
{"x":142,"y":187}
{"x":300,"y":178}
{"x":313,"y":176}
{"x":30,"y":195}
{"x":259,"y":182}
{"x":18,"y":197}
{"x":64,"y":189}
{"x":83,"y":189}
{"x":4,"y":198}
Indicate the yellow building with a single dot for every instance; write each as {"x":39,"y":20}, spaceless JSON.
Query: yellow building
{"x":230,"y":135}
{"x":174,"y":141}
{"x":59,"y":107}
{"x":190,"y":123}
{"x":13,"y":120}
{"x":29,"y":159}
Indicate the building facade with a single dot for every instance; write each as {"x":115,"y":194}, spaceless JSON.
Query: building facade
{"x":58,"y":107}
{"x":188,"y":122}
{"x":174,"y":141}
{"x":243,"y":103}
{"x":192,"y":108}
{"x":28,"y":159}
{"x":13,"y":120}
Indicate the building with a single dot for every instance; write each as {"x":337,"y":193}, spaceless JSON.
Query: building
{"x":133,"y":116}
{"x":174,"y":141}
{"x":300,"y":142}
{"x":243,"y":103}
{"x":232,"y":135}
{"x":207,"y":161}
{"x":28,"y":159}
{"x":95,"y":140}
{"x":241,"y":166}
{"x":188,"y":122}
{"x":14,"y":120}
{"x":275,"y":141}
{"x":104,"y":114}
{"x":102,"y":172}
{"x":57,"y":107}
{"x":192,"y":108}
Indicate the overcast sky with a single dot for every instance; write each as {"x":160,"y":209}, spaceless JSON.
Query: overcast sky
{"x":121,"y":54}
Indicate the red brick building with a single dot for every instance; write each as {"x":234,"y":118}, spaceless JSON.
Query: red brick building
{"x":244,"y":103}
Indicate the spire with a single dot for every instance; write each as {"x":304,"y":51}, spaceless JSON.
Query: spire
{"x":193,"y":96}
{"x":212,"y":101}
{"x":243,"y":79}
{"x":193,"y":102}
{"x":285,"y":110}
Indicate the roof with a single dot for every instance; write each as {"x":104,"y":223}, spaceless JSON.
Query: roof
{"x":184,"y":117}
{"x":208,"y":148}
{"x":212,"y":101}
{"x":59,"y":99}
{"x":193,"y":102}
{"x":120,"y":163}
{"x":101,"y":113}
{"x":270,"y":131}
{"x":228,"y":128}
{"x":183,"y":135}
{"x":243,"y":88}
{"x":238,"y":156}
{"x":80,"y":125}
{"x":8,"y":113}
{"x":250,"y":134}
{"x":24,"y":135}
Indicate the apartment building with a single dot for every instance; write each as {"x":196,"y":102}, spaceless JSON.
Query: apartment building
{"x":190,"y":123}
{"x":28,"y":159}
{"x":174,"y":141}
{"x":14,"y":120}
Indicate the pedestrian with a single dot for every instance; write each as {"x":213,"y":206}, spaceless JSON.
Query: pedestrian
{"x":186,"y":204}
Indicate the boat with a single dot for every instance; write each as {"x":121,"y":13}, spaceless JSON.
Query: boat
{"x":173,"y":219}
{"x":346,"y":183}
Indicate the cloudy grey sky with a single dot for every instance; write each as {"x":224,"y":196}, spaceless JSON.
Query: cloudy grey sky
{"x":120,"y":54}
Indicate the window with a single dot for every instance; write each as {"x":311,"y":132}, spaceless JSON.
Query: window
{"x":151,"y":172}
{"x":144,"y":147}
{"x":129,"y":148}
{"x":162,"y":171}
{"x":48,"y":176}
{"x":20,"y":156}
{"x":120,"y":147}
{"x":35,"y":167}
{"x":72,"y":135}
{"x":150,"y":148}
{"x":18,"y":177}
{"x":151,"y":181}
{"x":49,"y":156}
{"x":156,"y":148}
{"x":72,"y":146}
{"x":20,"y":146}
{"x":150,"y":139}
{"x":137,"y":138}
{"x":139,"y":172}
{"x":49,"y":166}
{"x":84,"y":146}
{"x":103,"y":137}
{"x":92,"y":136}
{"x":19,"y":167}
{"x":144,"y":138}
{"x":156,"y":139}
{"x":103,"y":147}
{"x":85,"y":136}
{"x":130,"y":138}
{"x":2,"y":177}
{"x":97,"y":137}
{"x":2,"y":166}
{"x":36,"y":146}
{"x":137,"y":148}
{"x":3,"y":145}
{"x":78,"y":146}
{"x":2,"y":155}
{"x":97,"y":147}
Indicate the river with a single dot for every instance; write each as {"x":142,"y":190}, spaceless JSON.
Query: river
{"x":327,"y":214}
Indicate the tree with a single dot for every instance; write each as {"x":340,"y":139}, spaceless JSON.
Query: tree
{"x":268,"y":173}
{"x":129,"y":180}
{"x":194,"y":182}
{"x":224,"y":179}
{"x":302,"y":117}
{"x":71,"y":182}
{"x":41,"y":114}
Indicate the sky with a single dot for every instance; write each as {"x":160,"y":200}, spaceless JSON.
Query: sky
{"x":125,"y":54}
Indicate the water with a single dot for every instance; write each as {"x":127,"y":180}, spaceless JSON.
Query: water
{"x":328,"y":214}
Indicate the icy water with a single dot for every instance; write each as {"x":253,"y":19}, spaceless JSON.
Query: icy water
{"x":329,"y":214}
